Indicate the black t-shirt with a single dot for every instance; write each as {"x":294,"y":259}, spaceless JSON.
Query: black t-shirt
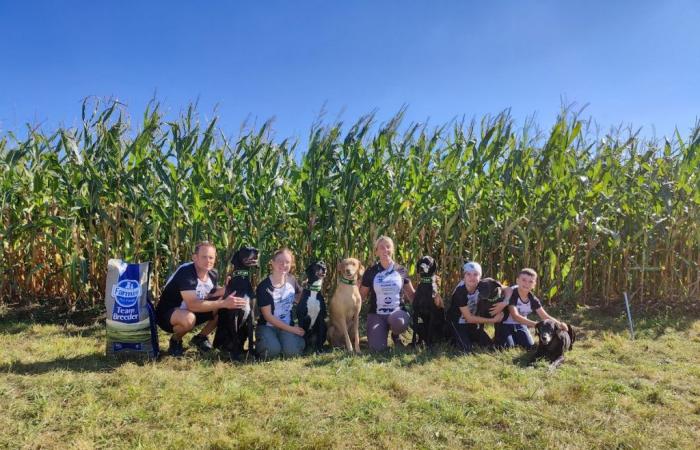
{"x":185,"y":279}
{"x":461,"y":297}
{"x":280,"y":299}
{"x":385,"y":287}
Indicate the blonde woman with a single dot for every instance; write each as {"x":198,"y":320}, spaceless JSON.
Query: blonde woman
{"x":276,"y":333}
{"x":384,"y":285}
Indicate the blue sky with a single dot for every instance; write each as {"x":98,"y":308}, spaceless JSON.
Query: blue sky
{"x":633,"y":62}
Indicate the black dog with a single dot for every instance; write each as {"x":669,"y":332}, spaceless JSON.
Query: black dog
{"x":555,"y":339}
{"x":490,"y":293}
{"x":428,"y":319}
{"x":235,"y":326}
{"x":311,"y":310}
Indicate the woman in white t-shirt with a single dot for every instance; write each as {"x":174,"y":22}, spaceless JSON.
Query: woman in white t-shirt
{"x":386,"y":284}
{"x":276,"y":295}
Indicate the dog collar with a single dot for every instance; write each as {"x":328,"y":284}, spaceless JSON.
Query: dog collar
{"x":426,"y":280}
{"x":315,"y":287}
{"x":346,"y":281}
{"x":241,"y":273}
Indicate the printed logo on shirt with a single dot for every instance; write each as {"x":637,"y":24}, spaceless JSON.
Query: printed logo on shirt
{"x":204,"y":288}
{"x":284,"y":300}
{"x":387,"y":287}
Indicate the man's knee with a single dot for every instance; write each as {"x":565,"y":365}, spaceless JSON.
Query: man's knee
{"x":183,"y":319}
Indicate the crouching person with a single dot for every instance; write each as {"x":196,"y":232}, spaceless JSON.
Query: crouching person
{"x":189,"y":299}
{"x":462,"y":316}
{"x":521,"y":303}
{"x":276,"y":333}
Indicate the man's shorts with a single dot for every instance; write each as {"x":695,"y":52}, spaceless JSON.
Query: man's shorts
{"x":163,"y":318}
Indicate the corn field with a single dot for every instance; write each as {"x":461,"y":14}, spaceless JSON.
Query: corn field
{"x":594,"y":215}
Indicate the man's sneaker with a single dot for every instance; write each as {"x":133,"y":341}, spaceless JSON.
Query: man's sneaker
{"x":176,"y":349}
{"x":201,"y":342}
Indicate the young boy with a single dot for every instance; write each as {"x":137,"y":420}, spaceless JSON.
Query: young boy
{"x":521,"y":302}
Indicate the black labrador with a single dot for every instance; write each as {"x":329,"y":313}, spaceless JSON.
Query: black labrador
{"x":555,"y":339}
{"x":429,"y":323}
{"x":490,"y":293}
{"x":235,"y":326}
{"x":311,"y":310}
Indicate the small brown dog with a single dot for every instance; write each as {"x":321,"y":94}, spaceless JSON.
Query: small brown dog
{"x":344,"y":309}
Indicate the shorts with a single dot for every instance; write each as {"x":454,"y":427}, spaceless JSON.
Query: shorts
{"x":163,"y":318}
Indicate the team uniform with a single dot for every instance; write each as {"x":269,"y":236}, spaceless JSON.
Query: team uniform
{"x":385,"y":304}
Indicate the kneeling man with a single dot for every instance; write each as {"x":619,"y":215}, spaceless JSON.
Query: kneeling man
{"x":188,"y":299}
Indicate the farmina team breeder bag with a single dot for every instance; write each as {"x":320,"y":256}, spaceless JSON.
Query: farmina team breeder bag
{"x":131,"y":326}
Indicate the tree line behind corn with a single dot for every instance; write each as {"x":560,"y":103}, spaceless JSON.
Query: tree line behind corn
{"x":595,"y":213}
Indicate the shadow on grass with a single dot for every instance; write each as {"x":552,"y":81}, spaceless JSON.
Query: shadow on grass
{"x":68,"y":329}
{"x":403,"y":356}
{"x":88,"y":363}
{"x":525,"y":359}
{"x":52,"y":313}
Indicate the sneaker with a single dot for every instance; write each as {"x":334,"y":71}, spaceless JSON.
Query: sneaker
{"x":175,"y":348}
{"x":202,"y":343}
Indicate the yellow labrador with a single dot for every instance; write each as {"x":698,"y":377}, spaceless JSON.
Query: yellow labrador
{"x":344,"y":309}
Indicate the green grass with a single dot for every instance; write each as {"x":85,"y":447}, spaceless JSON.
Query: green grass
{"x":59,"y":390}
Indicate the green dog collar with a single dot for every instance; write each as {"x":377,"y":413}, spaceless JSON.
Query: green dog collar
{"x":241,"y":273}
{"x":426,"y":280}
{"x":346,"y":281}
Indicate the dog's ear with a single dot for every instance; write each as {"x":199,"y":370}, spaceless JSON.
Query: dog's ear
{"x":360,"y":269}
{"x":538,"y":327}
{"x":499,"y":288}
{"x":339,"y":267}
{"x":496,"y":289}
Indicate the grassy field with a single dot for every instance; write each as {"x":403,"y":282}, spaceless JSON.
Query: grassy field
{"x":59,"y":390}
